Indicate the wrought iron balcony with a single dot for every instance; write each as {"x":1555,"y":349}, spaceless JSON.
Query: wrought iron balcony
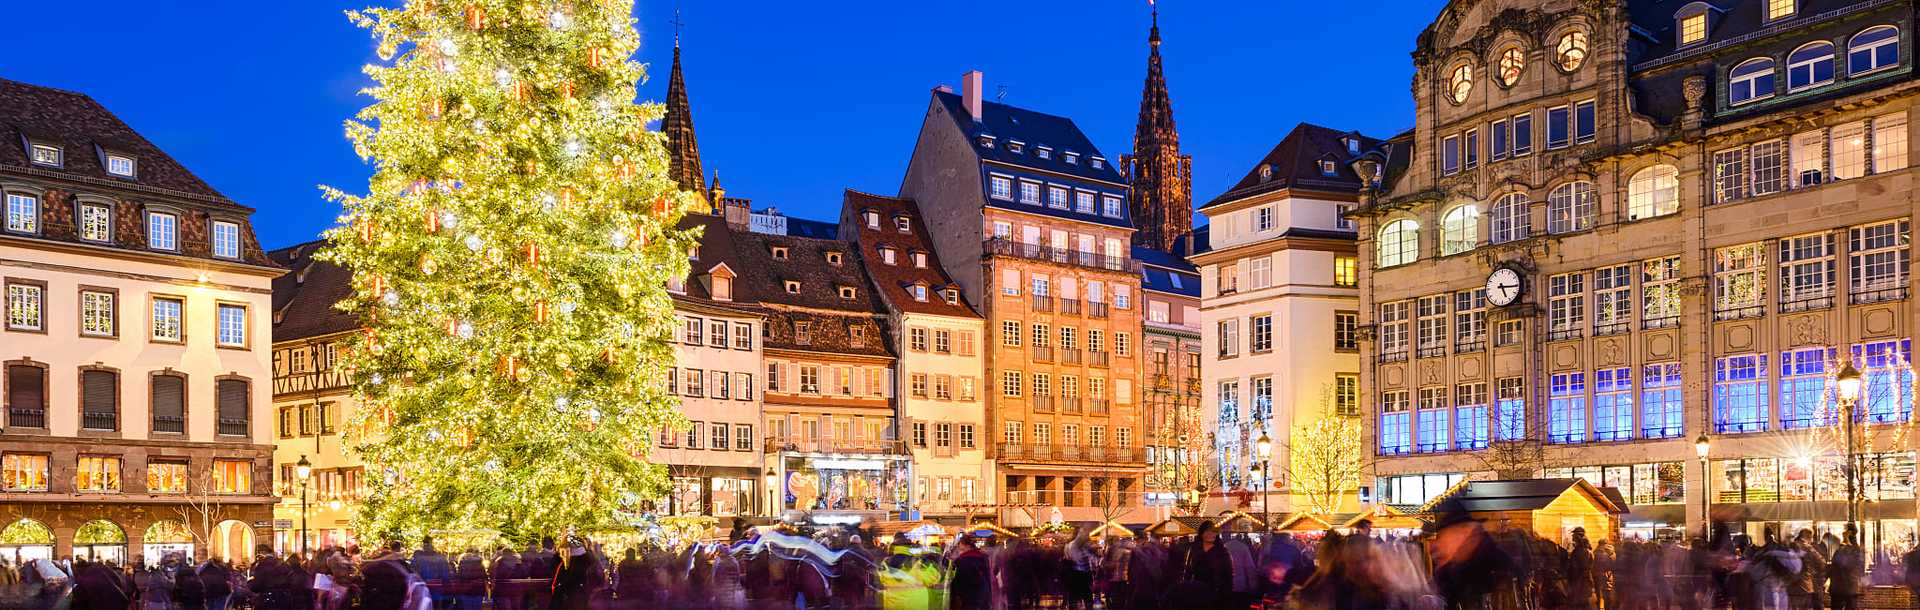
{"x":1097,"y":359}
{"x":1002,"y":246}
{"x":1070,"y":356}
{"x":1070,"y":405}
{"x":1097,"y":406}
{"x":26,"y":417}
{"x":1042,"y":404}
{"x":1042,"y":353}
{"x":1096,"y":309}
{"x":1042,"y":302}
{"x":170,"y":423}
{"x":1071,"y":453}
{"x":1070,"y":306}
{"x":96,"y":420}
{"x":233,"y":427}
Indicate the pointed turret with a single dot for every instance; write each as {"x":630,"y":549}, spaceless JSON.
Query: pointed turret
{"x":1160,"y":177}
{"x":682,"y":149}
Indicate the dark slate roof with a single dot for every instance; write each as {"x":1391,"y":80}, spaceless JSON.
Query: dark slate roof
{"x":83,"y":128}
{"x":1520,"y":494}
{"x":816,"y":229}
{"x":1159,"y":270}
{"x":1035,"y":129}
{"x":1733,"y":19}
{"x":893,"y":281}
{"x":1295,"y":162}
{"x":1202,"y":239}
{"x":1398,"y":152}
{"x":716,"y":248}
{"x":304,"y":298}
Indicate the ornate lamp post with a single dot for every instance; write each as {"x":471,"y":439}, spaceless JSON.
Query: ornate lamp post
{"x":1847,"y":386}
{"x":303,"y":470}
{"x":1706,"y":488}
{"x":1264,"y":448}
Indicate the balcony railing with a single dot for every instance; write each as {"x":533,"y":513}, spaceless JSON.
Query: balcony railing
{"x":1042,"y":404}
{"x":170,"y":423}
{"x":775,"y":444}
{"x":1042,"y":302}
{"x":26,"y":417}
{"x":233,"y":427}
{"x":1432,"y":351}
{"x":1097,"y":359}
{"x":1666,"y":322}
{"x":95,"y":420}
{"x":1002,"y":246}
{"x":1097,"y":406}
{"x":1070,"y":453}
{"x":1096,"y":309}
{"x":1876,"y":296}
{"x":1070,"y":356}
{"x":1042,"y":353}
{"x":1616,"y":328}
{"x":1468,"y":347}
{"x":1564,"y":334}
{"x":1739,"y":313}
{"x":1070,"y":405}
{"x":1394,"y":356}
{"x":1070,"y":306}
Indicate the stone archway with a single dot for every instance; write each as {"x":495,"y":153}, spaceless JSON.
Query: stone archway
{"x":232,"y":541}
{"x":26,"y":540}
{"x":101,"y":540}
{"x":166,"y":537}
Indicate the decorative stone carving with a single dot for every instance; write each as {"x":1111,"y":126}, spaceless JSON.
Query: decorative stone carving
{"x":1737,"y":336}
{"x":1430,"y":373}
{"x":1695,"y":89}
{"x":1395,"y":375}
{"x":1660,"y":346}
{"x":1807,"y":330}
{"x":1610,"y":352}
{"x":1877,"y":322}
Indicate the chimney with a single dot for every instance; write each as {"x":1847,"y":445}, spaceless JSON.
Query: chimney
{"x":970,"y":92}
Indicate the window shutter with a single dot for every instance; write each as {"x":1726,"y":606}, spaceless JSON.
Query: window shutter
{"x":232,"y":398}
{"x":886,"y":390}
{"x":26,"y":387}
{"x":97,"y":393}
{"x":168,"y":396}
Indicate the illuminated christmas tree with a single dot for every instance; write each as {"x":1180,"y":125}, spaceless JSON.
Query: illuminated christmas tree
{"x":509,"y":261}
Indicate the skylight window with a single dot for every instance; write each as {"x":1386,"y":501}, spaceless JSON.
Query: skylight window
{"x":1098,"y":162}
{"x":1174,"y":278}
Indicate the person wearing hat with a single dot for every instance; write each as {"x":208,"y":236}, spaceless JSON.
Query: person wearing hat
{"x":577,"y":578}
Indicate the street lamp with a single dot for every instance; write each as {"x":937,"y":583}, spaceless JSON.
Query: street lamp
{"x":1847,"y":386}
{"x":1264,"y":447}
{"x":1706,"y":488}
{"x":304,"y":471}
{"x":773,"y":501}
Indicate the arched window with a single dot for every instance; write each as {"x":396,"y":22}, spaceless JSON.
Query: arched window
{"x":1459,"y":229}
{"x":1810,"y":65}
{"x":1876,"y":48}
{"x":1654,"y":191}
{"x":1751,"y":80}
{"x":1399,"y":243}
{"x":1571,"y":52}
{"x":1570,"y":208}
{"x":1510,"y":218}
{"x":1460,"y":83}
{"x":1512,"y":61}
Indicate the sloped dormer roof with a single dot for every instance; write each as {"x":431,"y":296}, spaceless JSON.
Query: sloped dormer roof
{"x":892,"y":280}
{"x":1294,"y":163}
{"x":1034,"y":130}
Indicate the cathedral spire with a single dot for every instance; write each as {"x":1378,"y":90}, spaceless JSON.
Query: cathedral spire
{"x":682,"y":149}
{"x":1160,"y":177}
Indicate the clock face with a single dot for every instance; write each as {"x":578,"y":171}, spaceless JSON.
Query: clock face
{"x":1503,"y":287}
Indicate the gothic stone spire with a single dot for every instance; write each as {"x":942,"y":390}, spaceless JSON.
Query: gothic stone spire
{"x":1160,"y":177}
{"x":682,"y":148}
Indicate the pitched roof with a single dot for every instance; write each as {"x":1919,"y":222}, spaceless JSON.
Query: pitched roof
{"x":683,"y":149}
{"x":1036,"y":129}
{"x":1165,"y":272}
{"x":764,"y":274}
{"x":304,"y":298}
{"x":1523,"y":494}
{"x":1295,"y":163}
{"x":894,"y":281}
{"x":84,"y":129}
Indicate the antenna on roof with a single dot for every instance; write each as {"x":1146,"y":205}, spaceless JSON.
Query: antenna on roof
{"x":677,"y":25}
{"x":1000,"y":94}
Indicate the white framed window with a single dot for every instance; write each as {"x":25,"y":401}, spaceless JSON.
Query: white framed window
{"x":1806,"y":271}
{"x":1849,"y":150}
{"x":26,"y":307}
{"x":1259,"y":274}
{"x":1570,"y":207}
{"x":23,"y":213}
{"x":1450,"y":155}
{"x":1811,"y":65}
{"x":96,"y":222}
{"x":1083,"y":202}
{"x":1889,"y":142}
{"x":232,"y":331}
{"x":1571,"y":52}
{"x":1469,"y":319}
{"x":1460,"y":83}
{"x":1459,"y":229}
{"x":1660,"y":292}
{"x":1399,"y":242}
{"x":1393,"y":327}
{"x":1057,"y":197}
{"x":1750,"y":81}
{"x":1876,"y":48}
{"x":1566,"y":302}
{"x":1729,"y":175}
{"x":1029,"y":192}
{"x":1693,"y":29}
{"x":1072,"y":158}
{"x":1612,"y":299}
{"x":47,"y":154}
{"x":1808,"y":151}
{"x":97,"y":313}
{"x":166,"y":319}
{"x":1002,"y":187}
{"x":1512,"y":219}
{"x":120,"y":165}
{"x":1010,"y":383}
{"x":1430,"y":324}
{"x":226,"y":239}
{"x":1263,"y":218}
{"x":163,"y":231}
{"x":1652,"y":192}
{"x":1739,"y":281}
{"x":1110,"y":207}
{"x":1877,"y":259}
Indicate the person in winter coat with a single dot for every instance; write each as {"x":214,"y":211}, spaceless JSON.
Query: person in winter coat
{"x":1206,"y":571}
{"x":1808,"y":591}
{"x":99,"y":587}
{"x":1845,"y":570}
{"x":972,"y":584}
{"x":275,"y":584}
{"x":575,"y":582}
{"x":216,"y":584}
{"x":469,"y":581}
{"x":386,"y":582}
{"x":1773,"y":567}
{"x":1579,"y":573}
{"x":433,"y":567}
{"x":156,"y":588}
{"x":188,"y":593}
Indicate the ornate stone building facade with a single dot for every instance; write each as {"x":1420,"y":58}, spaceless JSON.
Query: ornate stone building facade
{"x":1628,"y":228}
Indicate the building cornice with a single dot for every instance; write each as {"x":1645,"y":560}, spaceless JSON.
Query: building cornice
{"x":1268,"y":246}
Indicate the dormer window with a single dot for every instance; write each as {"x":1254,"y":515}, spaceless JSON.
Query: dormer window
{"x":96,"y":222}
{"x":920,"y":260}
{"x":1015,"y":146}
{"x":47,"y":154}
{"x":847,"y":292}
{"x":1780,"y":9}
{"x":1266,"y":172}
{"x":1353,"y":145}
{"x":873,"y":219}
{"x":986,"y":141}
{"x":903,"y":224}
{"x":833,"y":258}
{"x":226,"y":239}
{"x":722,"y":288}
{"x":1691,"y":24}
{"x":120,"y":165}
{"x":1328,"y":168}
{"x":886,"y":255}
{"x":23,"y":213}
{"x":1098,"y":162}
{"x":952,"y":296}
{"x":163,"y":231}
{"x":792,"y":286}
{"x":1043,"y":152}
{"x":779,"y":253}
{"x":1072,"y":158}
{"x":919,"y":292}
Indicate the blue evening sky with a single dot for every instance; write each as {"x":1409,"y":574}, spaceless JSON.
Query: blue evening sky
{"x":794,"y":101}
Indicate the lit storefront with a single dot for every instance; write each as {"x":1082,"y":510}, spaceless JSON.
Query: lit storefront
{"x":732,"y":494}
{"x":1811,"y":493}
{"x":877,"y":483}
{"x":1655,"y":492}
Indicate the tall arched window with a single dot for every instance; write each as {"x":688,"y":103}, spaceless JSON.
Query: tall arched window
{"x":1876,"y":48}
{"x":1510,"y":218}
{"x":1654,"y":191}
{"x":1399,"y":242}
{"x":1570,"y":208}
{"x":1459,"y":229}
{"x":1751,"y":80}
{"x":1810,"y":65}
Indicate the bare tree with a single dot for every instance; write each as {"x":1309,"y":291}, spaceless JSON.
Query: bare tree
{"x":203,"y":510}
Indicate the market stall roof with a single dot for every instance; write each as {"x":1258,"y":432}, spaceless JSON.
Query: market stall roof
{"x":1387,"y":517}
{"x":1111,"y":528}
{"x":1177,"y":526}
{"x":903,"y":527}
{"x":1304,"y":522}
{"x":1236,"y":521}
{"x":990,"y":528}
{"x":1525,"y":494}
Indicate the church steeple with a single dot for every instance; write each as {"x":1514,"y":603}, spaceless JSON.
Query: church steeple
{"x":1161,"y":178}
{"x":682,"y":149}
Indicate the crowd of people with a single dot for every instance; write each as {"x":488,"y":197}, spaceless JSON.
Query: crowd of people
{"x":1461,"y":564}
